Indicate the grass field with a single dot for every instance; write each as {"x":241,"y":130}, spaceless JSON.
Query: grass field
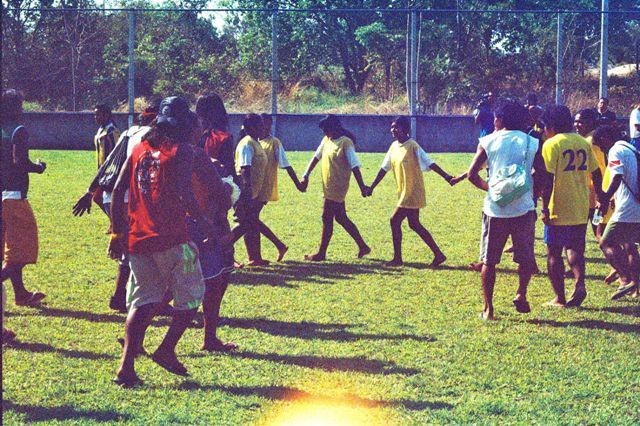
{"x":346,"y":340}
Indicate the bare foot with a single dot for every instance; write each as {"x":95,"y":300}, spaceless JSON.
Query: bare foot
{"x":169,"y":361}
{"x":612,"y":277}
{"x":555,"y":303}
{"x":476,"y":266}
{"x":317,"y":257}
{"x":576,"y":299}
{"x":238,"y":265}
{"x":394,"y":262}
{"x":364,"y":251}
{"x":219,"y":346}
{"x":281,"y":252}
{"x":487,"y":316}
{"x":438,"y":260}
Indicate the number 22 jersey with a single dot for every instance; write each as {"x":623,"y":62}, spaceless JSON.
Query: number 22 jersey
{"x":569,"y":158}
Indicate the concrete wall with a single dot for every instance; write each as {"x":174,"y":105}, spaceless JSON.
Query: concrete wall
{"x":68,"y":130}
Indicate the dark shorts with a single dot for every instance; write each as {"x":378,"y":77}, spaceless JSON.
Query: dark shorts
{"x":496,"y":231}
{"x":567,"y":236}
{"x":214,"y":259}
{"x":621,"y":233}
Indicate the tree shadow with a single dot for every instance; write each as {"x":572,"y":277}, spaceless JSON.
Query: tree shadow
{"x":44,"y":348}
{"x":314,"y":330}
{"x":284,"y":393}
{"x":351,"y":364}
{"x":83,"y":315}
{"x":34,"y":413}
{"x":281,"y":274}
{"x":591,"y":325}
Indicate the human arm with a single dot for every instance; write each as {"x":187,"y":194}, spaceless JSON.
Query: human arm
{"x":317,"y":156}
{"x":364,"y":189}
{"x":118,"y":240}
{"x":381,"y":174}
{"x":21,"y":153}
{"x":457,"y":179}
{"x":283,"y":163}
{"x":474,"y":169}
{"x":446,"y":176}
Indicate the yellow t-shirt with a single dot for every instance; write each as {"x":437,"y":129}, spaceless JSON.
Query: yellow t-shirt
{"x":408,"y":174}
{"x":269,"y":191}
{"x":258,"y":163}
{"x":569,"y":157}
{"x":105,"y":140}
{"x":336,"y":172}
{"x":606,"y":178}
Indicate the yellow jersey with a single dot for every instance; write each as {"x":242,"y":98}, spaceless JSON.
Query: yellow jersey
{"x":249,"y":152}
{"x":569,"y":157}
{"x":269,"y":191}
{"x":336,"y":169}
{"x":408,"y":173}
{"x":105,"y":140}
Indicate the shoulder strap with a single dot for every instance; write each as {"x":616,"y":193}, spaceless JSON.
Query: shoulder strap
{"x":14,"y":133}
{"x":637,"y":154}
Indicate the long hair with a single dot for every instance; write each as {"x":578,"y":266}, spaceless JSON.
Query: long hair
{"x":11,"y":108}
{"x":333,"y":125}
{"x":212,"y":112}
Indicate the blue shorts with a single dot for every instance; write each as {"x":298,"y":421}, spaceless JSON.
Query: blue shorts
{"x":214,"y":261}
{"x":567,"y":236}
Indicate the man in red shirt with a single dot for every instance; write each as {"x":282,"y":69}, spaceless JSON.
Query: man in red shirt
{"x":158,"y":175}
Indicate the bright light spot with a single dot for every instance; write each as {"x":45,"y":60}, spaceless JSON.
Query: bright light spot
{"x":319,"y":412}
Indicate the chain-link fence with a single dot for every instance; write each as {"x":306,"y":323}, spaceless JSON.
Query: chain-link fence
{"x":292,"y":60}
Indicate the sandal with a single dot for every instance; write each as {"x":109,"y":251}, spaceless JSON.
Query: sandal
{"x":33,"y":300}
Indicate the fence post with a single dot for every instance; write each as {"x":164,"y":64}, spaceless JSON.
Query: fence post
{"x":604,"y":47}
{"x":413,"y":72}
{"x":274,"y":70}
{"x":132,"y":66}
{"x":559,"y":59}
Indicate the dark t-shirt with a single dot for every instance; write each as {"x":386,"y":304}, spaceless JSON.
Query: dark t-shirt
{"x":607,"y":117}
{"x":15,"y":177}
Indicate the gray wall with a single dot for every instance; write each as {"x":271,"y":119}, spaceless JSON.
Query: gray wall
{"x":454,"y":133}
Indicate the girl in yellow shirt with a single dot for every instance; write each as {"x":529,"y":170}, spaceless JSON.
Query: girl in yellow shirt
{"x":276,"y":157}
{"x":408,"y":160}
{"x":339,"y":160}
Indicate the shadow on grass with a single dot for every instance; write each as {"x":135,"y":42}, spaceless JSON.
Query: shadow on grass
{"x":284,"y":393}
{"x":314,"y":330}
{"x":632,"y":311}
{"x":83,"y":315}
{"x":35,"y":413}
{"x":591,"y":325}
{"x":44,"y":348}
{"x":281,"y":274}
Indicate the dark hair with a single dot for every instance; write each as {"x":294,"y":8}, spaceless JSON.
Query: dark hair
{"x":149,"y":114}
{"x":402,"y":122}
{"x":602,"y":98}
{"x":589,"y":115}
{"x":212,"y":112}
{"x":532,"y":99}
{"x":11,"y":108}
{"x":606,"y":132}
{"x":559,"y":118}
{"x":105,"y":109}
{"x":266,"y":117}
{"x":250,"y":120}
{"x":513,"y":115}
{"x":333,"y":124}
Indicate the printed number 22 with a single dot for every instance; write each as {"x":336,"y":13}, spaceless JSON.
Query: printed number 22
{"x":573,"y":155}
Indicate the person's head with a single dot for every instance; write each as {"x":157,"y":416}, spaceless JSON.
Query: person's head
{"x":212,"y":112}
{"x":252,"y":125}
{"x":585,"y":121}
{"x":531,"y":100}
{"x":557,"y":119}
{"x":267,"y":122}
{"x":102,"y":114}
{"x":491,"y":98}
{"x":605,"y":136}
{"x":11,"y":108}
{"x":174,"y":119}
{"x":149,"y":114}
{"x":510,"y":115}
{"x":400,"y":128}
{"x":330,"y":126}
{"x":603,"y":104}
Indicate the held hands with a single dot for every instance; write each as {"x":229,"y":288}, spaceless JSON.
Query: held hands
{"x":83,"y":205}
{"x":454,"y":180}
{"x":544,"y":216}
{"x":366,"y":191}
{"x":304,"y":183}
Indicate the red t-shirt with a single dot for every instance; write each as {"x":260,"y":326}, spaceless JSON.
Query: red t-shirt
{"x":156,"y":214}
{"x":214,"y":141}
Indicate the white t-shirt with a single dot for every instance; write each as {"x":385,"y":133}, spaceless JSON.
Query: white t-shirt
{"x":622,"y":161}
{"x":505,"y":148}
{"x":281,"y":156}
{"x":634,"y":119}
{"x":352,"y":158}
{"x":423,"y":159}
{"x":245,"y":156}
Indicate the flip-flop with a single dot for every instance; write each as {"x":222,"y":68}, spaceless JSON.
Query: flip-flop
{"x":624,"y":290}
{"x":576,"y":299}
{"x":522,"y":306}
{"x":173,"y":366}
{"x":128,"y":383}
{"x":32,"y":301}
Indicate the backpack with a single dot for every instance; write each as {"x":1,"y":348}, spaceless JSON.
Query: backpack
{"x":110,"y":170}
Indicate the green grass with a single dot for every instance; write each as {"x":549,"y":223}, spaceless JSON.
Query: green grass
{"x":359,"y":341}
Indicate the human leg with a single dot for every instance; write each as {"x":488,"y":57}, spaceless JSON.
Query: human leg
{"x":522,"y":230}
{"x":136,"y":325}
{"x":555,"y":269}
{"x":414,"y":223}
{"x":396,"y":234}
{"x":271,"y":236}
{"x":118,"y":300}
{"x":214,"y":292}
{"x":328,"y":214}
{"x":351,"y":228}
{"x":618,"y":243}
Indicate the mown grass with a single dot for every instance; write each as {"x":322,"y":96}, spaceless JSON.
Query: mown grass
{"x":347,"y":339}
